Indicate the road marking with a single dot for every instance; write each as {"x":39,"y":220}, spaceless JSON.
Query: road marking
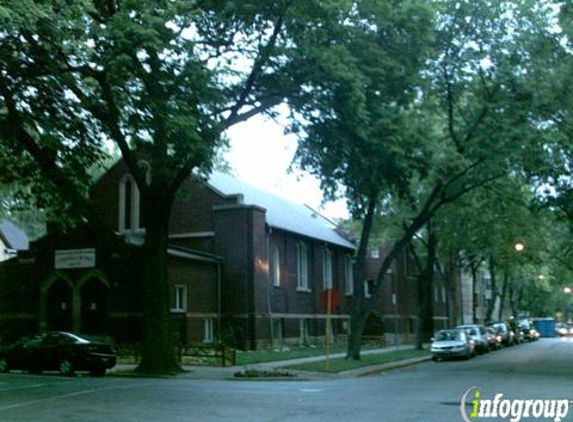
{"x":63,"y":396}
{"x":312,"y":390}
{"x":24,"y":387}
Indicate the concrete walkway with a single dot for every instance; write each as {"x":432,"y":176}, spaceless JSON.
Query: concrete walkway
{"x":226,"y":373}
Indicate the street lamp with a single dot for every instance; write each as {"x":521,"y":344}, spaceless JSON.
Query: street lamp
{"x":519,"y":247}
{"x":567,"y":290}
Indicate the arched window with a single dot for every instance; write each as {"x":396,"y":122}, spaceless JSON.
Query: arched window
{"x":129,"y":204}
{"x":130,"y":215}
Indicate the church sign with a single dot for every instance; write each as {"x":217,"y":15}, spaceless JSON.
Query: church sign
{"x":75,"y":258}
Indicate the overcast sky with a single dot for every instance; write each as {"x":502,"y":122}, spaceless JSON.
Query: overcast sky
{"x":260,"y":154}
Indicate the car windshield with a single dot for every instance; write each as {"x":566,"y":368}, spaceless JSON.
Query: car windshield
{"x":500,"y":328}
{"x":74,"y":338}
{"x":448,"y":335}
{"x":470,"y":329}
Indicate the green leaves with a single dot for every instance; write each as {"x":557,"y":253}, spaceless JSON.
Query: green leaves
{"x":357,"y":92}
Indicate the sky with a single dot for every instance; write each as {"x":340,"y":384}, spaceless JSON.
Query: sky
{"x":261,"y":154}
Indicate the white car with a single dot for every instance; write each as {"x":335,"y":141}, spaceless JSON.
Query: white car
{"x":478,"y":335}
{"x":452,"y":343}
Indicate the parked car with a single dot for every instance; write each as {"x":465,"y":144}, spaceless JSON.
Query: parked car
{"x":494,"y":338}
{"x":478,"y":335}
{"x":561,"y":329}
{"x":58,"y":351}
{"x":452,"y":343}
{"x":507,"y":336}
{"x":529,"y":331}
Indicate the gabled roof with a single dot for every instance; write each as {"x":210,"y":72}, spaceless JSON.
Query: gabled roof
{"x":13,"y":237}
{"x":281,"y":213}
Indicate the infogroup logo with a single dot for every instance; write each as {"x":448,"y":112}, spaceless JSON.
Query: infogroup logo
{"x":512,"y":409}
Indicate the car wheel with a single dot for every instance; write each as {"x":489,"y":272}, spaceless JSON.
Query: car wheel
{"x":4,"y":364}
{"x":98,"y":372}
{"x":66,"y":367}
{"x":435,"y":358}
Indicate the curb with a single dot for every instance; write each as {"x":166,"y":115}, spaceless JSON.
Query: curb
{"x":366,"y":370}
{"x":375,"y":369}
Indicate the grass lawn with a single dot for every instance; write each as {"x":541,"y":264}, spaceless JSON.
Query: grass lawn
{"x":247,"y":358}
{"x":340,"y":364}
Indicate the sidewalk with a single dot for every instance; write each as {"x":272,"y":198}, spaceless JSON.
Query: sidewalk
{"x":226,"y":373}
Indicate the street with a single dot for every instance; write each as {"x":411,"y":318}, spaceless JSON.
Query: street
{"x":428,"y":392}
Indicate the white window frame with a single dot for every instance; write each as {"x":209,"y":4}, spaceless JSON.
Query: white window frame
{"x":327,"y":269}
{"x":276,"y":266}
{"x":348,"y":276}
{"x":134,"y":212}
{"x":367,"y":293}
{"x":208,"y":330}
{"x":179,"y":298}
{"x":302,"y":267}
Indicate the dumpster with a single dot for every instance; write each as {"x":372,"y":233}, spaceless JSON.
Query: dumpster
{"x":545,"y":326}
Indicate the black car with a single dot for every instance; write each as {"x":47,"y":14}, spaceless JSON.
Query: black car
{"x":503,"y":329}
{"x":58,"y":351}
{"x":493,"y":338}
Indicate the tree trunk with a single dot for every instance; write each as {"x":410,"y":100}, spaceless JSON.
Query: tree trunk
{"x":502,"y":296}
{"x":158,"y":348}
{"x":512,"y":297}
{"x":360,"y":307}
{"x":450,"y":280}
{"x":425,"y":326}
{"x":355,"y":337}
{"x":518,"y":300}
{"x":493,"y":290}
{"x":473,"y":269}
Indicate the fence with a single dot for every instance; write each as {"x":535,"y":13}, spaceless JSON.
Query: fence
{"x":223,"y":354}
{"x":214,"y":354}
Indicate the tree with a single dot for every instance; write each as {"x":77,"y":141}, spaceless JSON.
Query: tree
{"x":160,"y":79}
{"x":355,"y":116}
{"x":424,"y":147}
{"x":484,"y":227}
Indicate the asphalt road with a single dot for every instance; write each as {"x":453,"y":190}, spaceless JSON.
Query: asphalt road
{"x":428,"y":392}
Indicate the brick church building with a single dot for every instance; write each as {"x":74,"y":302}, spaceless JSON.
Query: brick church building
{"x":246,"y":267}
